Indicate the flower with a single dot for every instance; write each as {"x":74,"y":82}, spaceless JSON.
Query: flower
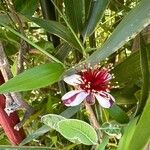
{"x":89,"y":84}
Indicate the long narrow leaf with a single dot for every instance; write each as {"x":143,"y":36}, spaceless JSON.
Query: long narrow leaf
{"x":30,"y":42}
{"x":96,"y":14}
{"x":57,"y":29}
{"x":37,"y":77}
{"x":131,"y":25}
{"x":75,"y":11}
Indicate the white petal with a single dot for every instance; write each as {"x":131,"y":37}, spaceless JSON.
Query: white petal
{"x":105,"y":99}
{"x":74,"y":79}
{"x":74,"y":98}
{"x":70,"y":94}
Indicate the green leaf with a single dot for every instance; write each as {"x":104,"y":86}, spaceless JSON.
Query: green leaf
{"x":96,"y":14}
{"x":52,"y":120}
{"x":57,"y":29}
{"x":39,"y":132}
{"x":118,"y":114}
{"x":126,"y":138}
{"x":137,"y":19}
{"x":69,"y":112}
{"x":28,"y":7}
{"x":78,"y":131}
{"x":37,"y":77}
{"x":74,"y":10}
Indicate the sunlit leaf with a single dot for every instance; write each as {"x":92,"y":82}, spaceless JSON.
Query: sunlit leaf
{"x":78,"y":131}
{"x":137,"y":19}
{"x":97,"y":10}
{"x":69,"y":112}
{"x":52,"y":120}
{"x":37,"y":77}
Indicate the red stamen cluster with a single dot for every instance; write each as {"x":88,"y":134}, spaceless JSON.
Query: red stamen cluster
{"x":97,"y":79}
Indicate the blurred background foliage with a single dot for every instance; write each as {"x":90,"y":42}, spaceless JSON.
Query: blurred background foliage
{"x":77,"y":31}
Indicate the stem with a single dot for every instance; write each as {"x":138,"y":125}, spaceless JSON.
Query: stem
{"x":92,"y":117}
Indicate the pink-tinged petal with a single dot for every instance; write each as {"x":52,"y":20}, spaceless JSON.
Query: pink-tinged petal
{"x":74,"y":98}
{"x":105,"y":99}
{"x":74,"y":79}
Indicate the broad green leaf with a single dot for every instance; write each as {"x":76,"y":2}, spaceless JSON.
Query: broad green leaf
{"x":103,"y":144}
{"x":78,"y":131}
{"x":5,"y":147}
{"x":57,"y":29}
{"x":97,"y":10}
{"x":69,"y":112}
{"x":28,"y":7}
{"x":128,"y":132}
{"x":118,"y":114}
{"x":137,"y":19}
{"x":37,"y":77}
{"x":75,"y":11}
{"x":52,"y":120}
